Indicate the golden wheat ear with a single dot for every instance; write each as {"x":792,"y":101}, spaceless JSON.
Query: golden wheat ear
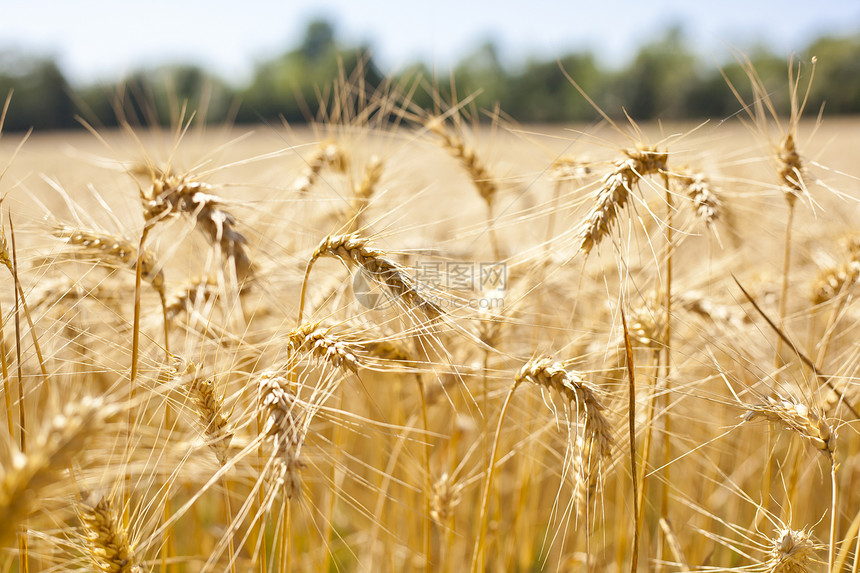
{"x":44,"y":464}
{"x":107,"y":538}
{"x":614,"y":192}
{"x":793,"y":551}
{"x":172,"y":195}
{"x":285,"y":426}
{"x":357,"y":252}
{"x":112,"y":250}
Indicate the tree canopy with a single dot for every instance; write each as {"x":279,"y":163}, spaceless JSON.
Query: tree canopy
{"x":665,"y":79}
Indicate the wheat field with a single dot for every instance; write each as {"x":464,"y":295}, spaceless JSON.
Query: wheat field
{"x":400,"y":340}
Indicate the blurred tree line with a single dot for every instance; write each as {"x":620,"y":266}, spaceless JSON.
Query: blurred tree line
{"x":666,"y":79}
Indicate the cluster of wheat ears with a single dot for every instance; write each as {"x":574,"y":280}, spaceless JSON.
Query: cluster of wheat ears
{"x":219,"y":359}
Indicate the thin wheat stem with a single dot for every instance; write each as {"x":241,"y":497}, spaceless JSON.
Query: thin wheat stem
{"x":7,"y":394}
{"x":831,"y":550}
{"x":478,"y":553}
{"x":786,"y":267}
{"x":631,"y":424}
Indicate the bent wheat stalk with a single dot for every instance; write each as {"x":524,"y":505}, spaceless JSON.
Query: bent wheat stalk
{"x":577,"y":392}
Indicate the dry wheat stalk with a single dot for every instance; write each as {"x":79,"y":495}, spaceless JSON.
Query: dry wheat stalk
{"x":328,"y":154}
{"x":594,"y":444}
{"x":284,"y":423}
{"x":171,"y":194}
{"x":26,"y":475}
{"x":112,"y":250}
{"x":614,"y":192}
{"x":110,"y":551}
{"x":792,"y":552}
{"x":799,"y":418}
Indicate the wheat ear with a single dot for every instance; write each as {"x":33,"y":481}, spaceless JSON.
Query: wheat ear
{"x":614,"y":192}
{"x":113,"y":250}
{"x":363,"y":192}
{"x":211,"y":414}
{"x":173,"y":194}
{"x":797,"y":417}
{"x":477,"y":170}
{"x":357,"y":251}
{"x":24,"y":478}
{"x":328,"y":154}
{"x":321,"y":343}
{"x":597,"y":444}
{"x":697,"y":187}
{"x":285,"y":426}
{"x":107,"y":538}
{"x":792,"y":552}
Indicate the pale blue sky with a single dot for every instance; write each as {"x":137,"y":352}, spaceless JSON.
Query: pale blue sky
{"x":102,"y":39}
